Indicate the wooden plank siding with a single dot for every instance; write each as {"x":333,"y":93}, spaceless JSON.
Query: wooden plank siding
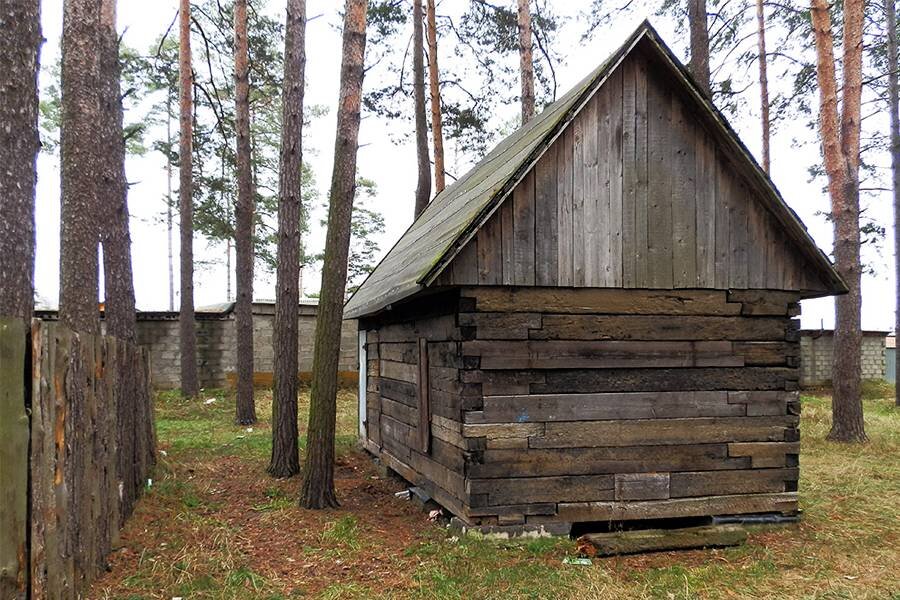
{"x":634,"y":193}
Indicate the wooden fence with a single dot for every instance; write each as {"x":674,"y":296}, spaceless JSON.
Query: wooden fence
{"x":82,"y":406}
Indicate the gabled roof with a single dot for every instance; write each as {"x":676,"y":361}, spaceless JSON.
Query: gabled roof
{"x":456,"y":214}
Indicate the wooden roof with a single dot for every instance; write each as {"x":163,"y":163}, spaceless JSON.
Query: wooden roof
{"x":456,"y":215}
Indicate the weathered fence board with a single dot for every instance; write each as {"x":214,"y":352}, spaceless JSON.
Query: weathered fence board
{"x":92,"y":446}
{"x":13,"y":459}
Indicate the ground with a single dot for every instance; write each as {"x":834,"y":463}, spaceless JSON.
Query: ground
{"x":213,"y":525}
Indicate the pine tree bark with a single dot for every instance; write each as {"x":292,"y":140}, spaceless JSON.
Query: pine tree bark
{"x":188,"y":335}
{"x":79,"y":140}
{"x":285,"y":459}
{"x":526,"y":65}
{"x":423,"y":185}
{"x":840,"y":140}
{"x":19,"y":143}
{"x":115,"y":236}
{"x":894,"y":117}
{"x":317,"y":490}
{"x":763,"y":83}
{"x":243,"y":217}
{"x":434,"y":79}
{"x":699,"y":63}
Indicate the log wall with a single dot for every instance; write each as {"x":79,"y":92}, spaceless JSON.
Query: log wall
{"x":551,"y":406}
{"x":605,"y":405}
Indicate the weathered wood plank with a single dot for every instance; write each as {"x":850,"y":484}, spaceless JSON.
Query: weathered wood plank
{"x":658,"y":540}
{"x":630,"y":254}
{"x":658,"y":432}
{"x":684,"y":209}
{"x":607,"y":301}
{"x":653,"y":327}
{"x":785,"y":502}
{"x":523,"y":230}
{"x":615,"y":159}
{"x":604,"y":461}
{"x":641,"y":486}
{"x":605,"y":406}
{"x":763,"y":302}
{"x":423,"y":379}
{"x":508,"y":241}
{"x":578,"y":197}
{"x":14,"y":436}
{"x":708,"y":483}
{"x":591,"y":223}
{"x":705,"y":194}
{"x":681,"y":379}
{"x":739,"y":264}
{"x":490,"y":251}
{"x":568,"y":354}
{"x":641,"y":198}
{"x":402,"y":352}
{"x":579,"y":488}
{"x":399,"y":371}
{"x":724,"y":208}
{"x":661,"y":184}
{"x":764,"y":455}
{"x":546,"y":242}
{"x":564,"y":182}
{"x":501,"y":325}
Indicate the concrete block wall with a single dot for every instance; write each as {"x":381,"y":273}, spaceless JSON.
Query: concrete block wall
{"x":816,"y":352}
{"x":216,"y":345}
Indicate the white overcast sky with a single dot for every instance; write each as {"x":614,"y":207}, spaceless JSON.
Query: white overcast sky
{"x":392,"y":166}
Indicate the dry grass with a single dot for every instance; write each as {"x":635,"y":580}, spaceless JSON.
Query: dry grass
{"x":214,"y":526}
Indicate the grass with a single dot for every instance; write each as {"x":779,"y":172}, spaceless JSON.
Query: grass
{"x":214,"y":526}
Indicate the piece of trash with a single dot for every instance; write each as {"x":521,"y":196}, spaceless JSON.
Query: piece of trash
{"x":176,"y":598}
{"x":209,"y":401}
{"x":163,"y":452}
{"x":435,"y":514}
{"x":403,"y":494}
{"x":239,"y":437}
{"x":249,"y":430}
{"x":585,"y":562}
{"x":850,"y":577}
{"x":149,"y":483}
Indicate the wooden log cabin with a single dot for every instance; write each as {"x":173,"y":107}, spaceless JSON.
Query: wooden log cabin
{"x":595,"y":323}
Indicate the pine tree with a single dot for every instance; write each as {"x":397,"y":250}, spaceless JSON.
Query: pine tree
{"x":119,"y":310}
{"x":699,"y":63}
{"x":317,"y":490}
{"x":19,"y":54}
{"x":526,"y":65}
{"x":188,"y":335}
{"x":79,"y":140}
{"x":763,"y":82}
{"x":894,"y":118}
{"x":285,"y":459}
{"x":434,"y":79}
{"x":840,"y":133}
{"x":423,"y":185}
{"x":243,"y":311}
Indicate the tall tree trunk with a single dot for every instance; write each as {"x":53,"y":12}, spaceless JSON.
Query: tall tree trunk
{"x":763,"y":82}
{"x":894,"y":116}
{"x":526,"y":65}
{"x":317,"y":490}
{"x":169,"y":219}
{"x":699,"y":63}
{"x":79,"y":227}
{"x":188,"y":335}
{"x":285,"y":460}
{"x":434,"y":79}
{"x":19,"y":143}
{"x":423,"y":185}
{"x":118,"y":277}
{"x":243,"y":217}
{"x":840,"y":141}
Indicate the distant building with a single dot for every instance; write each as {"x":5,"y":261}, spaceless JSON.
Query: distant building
{"x":816,"y":351}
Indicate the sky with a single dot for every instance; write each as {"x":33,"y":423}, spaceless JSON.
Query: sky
{"x":392,"y":165}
